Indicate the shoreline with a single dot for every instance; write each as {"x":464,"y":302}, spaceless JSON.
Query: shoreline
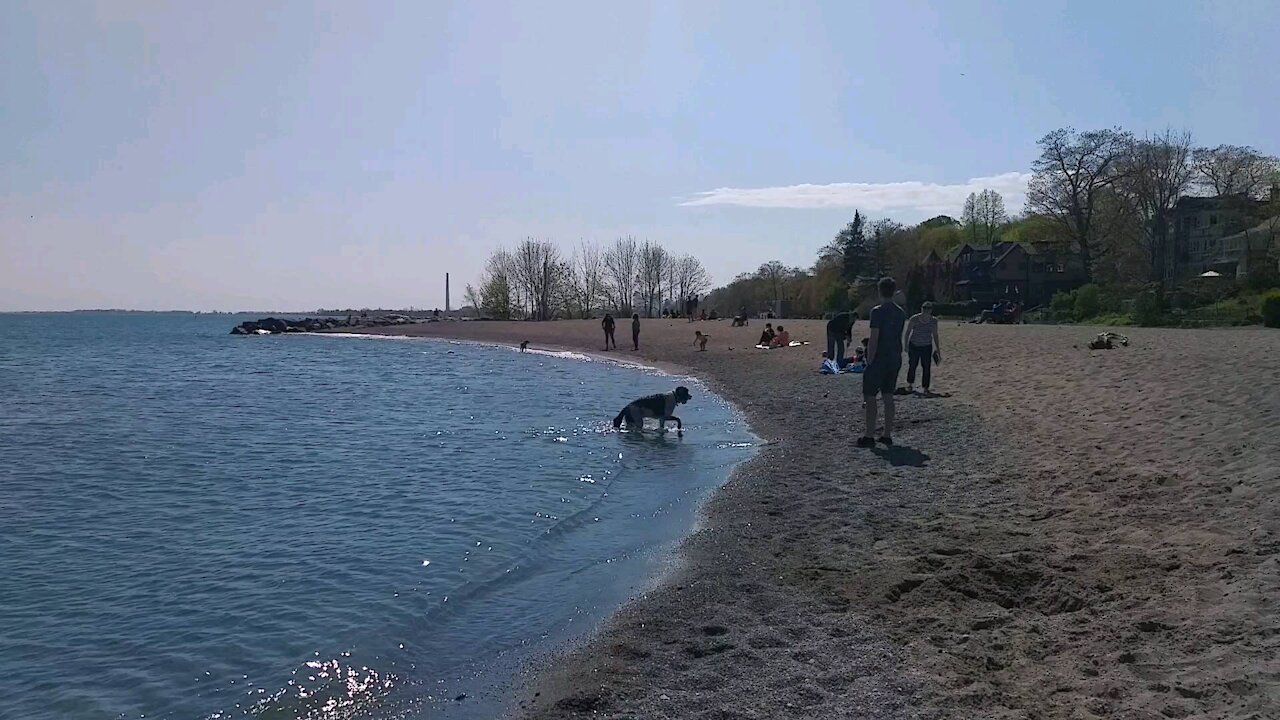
{"x":1061,"y":533}
{"x":524,"y":685}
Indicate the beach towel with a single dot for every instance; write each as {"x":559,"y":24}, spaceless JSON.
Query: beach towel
{"x":794,"y":343}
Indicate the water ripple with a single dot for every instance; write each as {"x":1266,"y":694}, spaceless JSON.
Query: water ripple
{"x":195,"y":525}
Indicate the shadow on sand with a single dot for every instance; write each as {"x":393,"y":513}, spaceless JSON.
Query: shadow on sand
{"x":899,"y":455}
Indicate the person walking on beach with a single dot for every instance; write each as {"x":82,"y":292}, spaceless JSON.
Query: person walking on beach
{"x":839,"y":332}
{"x":608,"y":325}
{"x":922,"y":346}
{"x":884,"y":353}
{"x":635,"y":331}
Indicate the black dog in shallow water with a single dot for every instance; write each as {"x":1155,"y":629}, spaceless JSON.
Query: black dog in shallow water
{"x":659,"y":407}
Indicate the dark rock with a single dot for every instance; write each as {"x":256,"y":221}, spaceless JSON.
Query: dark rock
{"x":274,"y":325}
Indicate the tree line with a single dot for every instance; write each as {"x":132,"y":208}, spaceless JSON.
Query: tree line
{"x":536,"y":280}
{"x":1107,"y":197}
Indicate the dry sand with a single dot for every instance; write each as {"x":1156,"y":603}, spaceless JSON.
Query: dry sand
{"x":1065,"y":534}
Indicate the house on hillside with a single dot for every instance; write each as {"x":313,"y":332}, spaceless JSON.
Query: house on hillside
{"x":1255,"y":251}
{"x":1200,"y":226}
{"x":1025,"y":273}
{"x":935,"y":277}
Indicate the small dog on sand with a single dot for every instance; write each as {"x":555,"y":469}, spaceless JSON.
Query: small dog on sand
{"x":658,"y":406}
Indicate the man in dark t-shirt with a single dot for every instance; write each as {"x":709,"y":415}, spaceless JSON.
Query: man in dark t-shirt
{"x":839,"y":332}
{"x":884,"y":361}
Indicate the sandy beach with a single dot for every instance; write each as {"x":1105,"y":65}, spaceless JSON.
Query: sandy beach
{"x":1061,"y":533}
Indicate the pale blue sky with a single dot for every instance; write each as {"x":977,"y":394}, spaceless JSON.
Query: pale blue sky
{"x":226,"y":156}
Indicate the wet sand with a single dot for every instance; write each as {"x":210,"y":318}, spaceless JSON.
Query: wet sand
{"x":1062,"y":533}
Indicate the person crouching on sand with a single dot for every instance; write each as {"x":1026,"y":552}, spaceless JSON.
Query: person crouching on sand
{"x":839,"y":332}
{"x":700,"y":340}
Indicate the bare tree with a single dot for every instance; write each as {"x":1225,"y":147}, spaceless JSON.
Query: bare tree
{"x":1159,"y":171}
{"x":1234,"y":170}
{"x":652,"y":271}
{"x":584,"y":277}
{"x":983,"y":216}
{"x":621,"y":261}
{"x":472,"y":297}
{"x":538,"y":271}
{"x":774,"y":274}
{"x":1069,"y":181}
{"x":691,"y":277}
{"x":671,"y":281}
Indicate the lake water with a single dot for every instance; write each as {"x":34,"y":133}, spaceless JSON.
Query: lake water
{"x":196,"y":525}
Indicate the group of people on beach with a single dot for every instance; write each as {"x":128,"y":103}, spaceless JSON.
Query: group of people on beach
{"x":891,"y":329}
{"x":891,"y":332}
{"x":772,"y":338}
{"x":609,"y":325}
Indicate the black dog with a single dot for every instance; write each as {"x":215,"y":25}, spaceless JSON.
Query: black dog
{"x":659,"y":407}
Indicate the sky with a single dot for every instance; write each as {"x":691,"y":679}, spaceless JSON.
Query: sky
{"x":288,"y":155}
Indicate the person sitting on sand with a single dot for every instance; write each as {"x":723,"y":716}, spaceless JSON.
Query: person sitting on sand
{"x":766,"y":337}
{"x":700,"y":340}
{"x":782,"y":339}
{"x":860,"y":352}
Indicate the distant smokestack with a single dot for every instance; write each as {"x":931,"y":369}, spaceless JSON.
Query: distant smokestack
{"x":446,"y":293}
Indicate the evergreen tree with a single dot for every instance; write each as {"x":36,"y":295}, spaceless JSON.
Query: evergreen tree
{"x":853,"y":244}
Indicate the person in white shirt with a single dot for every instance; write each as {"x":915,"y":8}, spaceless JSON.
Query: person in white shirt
{"x":923,"y":347}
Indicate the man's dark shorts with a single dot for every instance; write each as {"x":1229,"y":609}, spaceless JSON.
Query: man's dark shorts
{"x":881,"y":377}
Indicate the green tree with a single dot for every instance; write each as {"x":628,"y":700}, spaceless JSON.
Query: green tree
{"x":1088,"y":302}
{"x":939,"y":221}
{"x":853,"y":248}
{"x":883,"y":234}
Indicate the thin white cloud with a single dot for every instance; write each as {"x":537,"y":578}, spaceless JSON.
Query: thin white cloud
{"x":874,"y":197}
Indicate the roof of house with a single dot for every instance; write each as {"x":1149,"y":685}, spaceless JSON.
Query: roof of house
{"x":1195,"y":202}
{"x":1266,"y":230}
{"x":1011,"y":247}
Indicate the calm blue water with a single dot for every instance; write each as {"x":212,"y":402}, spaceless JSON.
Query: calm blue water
{"x":197,"y":525}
